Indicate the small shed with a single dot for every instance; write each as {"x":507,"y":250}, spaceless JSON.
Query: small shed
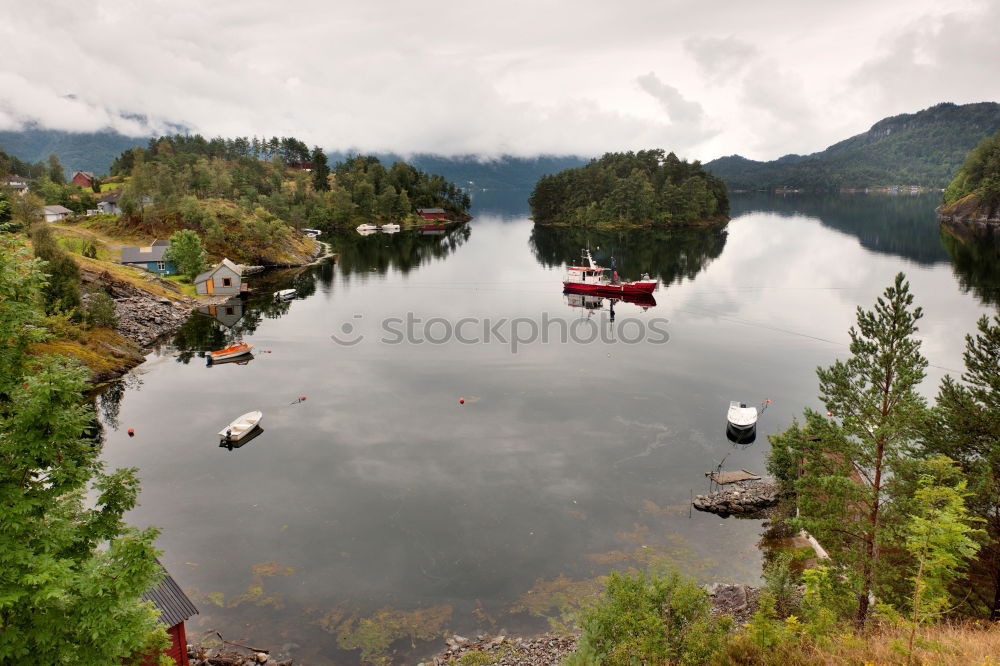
{"x":431,"y":213}
{"x":175,"y":608}
{"x":83,"y":179}
{"x":56,"y":213}
{"x":150,"y":257}
{"x":228,"y":314}
{"x":17,"y":184}
{"x":225,"y":278}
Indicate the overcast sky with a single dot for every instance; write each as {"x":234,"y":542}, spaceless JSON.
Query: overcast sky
{"x":701,"y":78}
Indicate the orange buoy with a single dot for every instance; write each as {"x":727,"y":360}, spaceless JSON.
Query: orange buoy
{"x":131,"y":432}
{"x":461,"y":401}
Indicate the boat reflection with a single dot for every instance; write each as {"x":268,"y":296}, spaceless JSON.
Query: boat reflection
{"x":243,"y":441}
{"x":589,"y":301}
{"x":744,"y":437}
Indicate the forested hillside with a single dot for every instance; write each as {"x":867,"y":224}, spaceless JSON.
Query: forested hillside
{"x":644,"y":188}
{"x":924,"y":148}
{"x":976,"y":187}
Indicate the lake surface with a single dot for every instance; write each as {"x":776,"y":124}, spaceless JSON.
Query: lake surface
{"x":379,"y":511}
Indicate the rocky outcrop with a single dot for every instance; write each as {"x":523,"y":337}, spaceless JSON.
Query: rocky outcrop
{"x":506,"y":650}
{"x":745,"y":498}
{"x":971,"y":211}
{"x":146,"y":319}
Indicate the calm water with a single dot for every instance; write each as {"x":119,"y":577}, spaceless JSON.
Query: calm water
{"x":380,"y":495}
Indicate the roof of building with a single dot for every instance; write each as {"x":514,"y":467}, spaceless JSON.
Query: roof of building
{"x":159,"y":241}
{"x":430,"y":210}
{"x":210,"y":272}
{"x":88,"y":174}
{"x":173,"y":604}
{"x":140,"y":255}
{"x":110,"y":197}
{"x":57,"y":209}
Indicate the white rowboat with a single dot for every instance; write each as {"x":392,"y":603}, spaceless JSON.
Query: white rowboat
{"x":740,"y":416}
{"x":241,"y":427}
{"x":284,"y":294}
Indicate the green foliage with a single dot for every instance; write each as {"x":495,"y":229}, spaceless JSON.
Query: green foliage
{"x":72,"y":572}
{"x":648,"y":187}
{"x":101,"y":309}
{"x":56,"y":174}
{"x":980,"y":175}
{"x":62,"y":291}
{"x":6,"y":210}
{"x":649,"y":619}
{"x":186,"y":252}
{"x":939,"y":536}
{"x":784,"y":460}
{"x":320,"y":170}
{"x":925,"y":148}
{"x":966,"y":430}
{"x":852,"y":469}
{"x":780,"y":584}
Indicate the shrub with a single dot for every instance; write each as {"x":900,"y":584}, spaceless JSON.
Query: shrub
{"x":101,"y":309}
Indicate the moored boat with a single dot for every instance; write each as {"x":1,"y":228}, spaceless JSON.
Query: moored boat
{"x":362,"y":228}
{"x":590,"y":279}
{"x":235,"y":351}
{"x":284,"y":294}
{"x":740,"y":417}
{"x":241,"y":427}
{"x":389,"y":228}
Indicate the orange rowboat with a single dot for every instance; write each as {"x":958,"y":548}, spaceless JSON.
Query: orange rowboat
{"x":239,"y":349}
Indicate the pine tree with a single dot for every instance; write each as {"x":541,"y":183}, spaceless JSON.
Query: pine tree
{"x":851,"y":460}
{"x":320,"y":171}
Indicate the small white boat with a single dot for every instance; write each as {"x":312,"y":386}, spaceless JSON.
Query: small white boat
{"x":362,"y":228}
{"x":241,"y":427}
{"x":284,"y":294}
{"x":741,"y":417}
{"x":389,"y":228}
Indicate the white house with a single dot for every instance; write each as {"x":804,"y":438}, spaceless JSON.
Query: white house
{"x":56,"y":213}
{"x":225,"y":278}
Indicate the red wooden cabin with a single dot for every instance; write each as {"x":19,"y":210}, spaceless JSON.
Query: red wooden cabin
{"x":431,"y":213}
{"x":83,"y":179}
{"x":174,"y":607}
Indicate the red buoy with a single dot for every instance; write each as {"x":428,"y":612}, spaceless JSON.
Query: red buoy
{"x":829,"y":413}
{"x":461,"y":401}
{"x":131,"y":432}
{"x":302,"y":398}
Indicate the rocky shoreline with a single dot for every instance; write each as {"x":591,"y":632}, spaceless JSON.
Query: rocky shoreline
{"x":749,"y":498}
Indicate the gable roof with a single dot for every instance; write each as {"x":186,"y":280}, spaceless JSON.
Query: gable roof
{"x":57,"y":209}
{"x":140,"y":255}
{"x":170,"y":600}
{"x":110,"y":197}
{"x":88,"y":174}
{"x":211,"y":271}
{"x":430,"y":210}
{"x":159,"y":241}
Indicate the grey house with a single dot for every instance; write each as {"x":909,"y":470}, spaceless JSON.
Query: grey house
{"x":109,"y":203}
{"x":225,"y":278}
{"x":228,"y":314}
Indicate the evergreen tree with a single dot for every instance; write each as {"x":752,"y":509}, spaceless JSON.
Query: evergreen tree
{"x":55,"y":173}
{"x":62,"y":289}
{"x":967,"y":429}
{"x":320,"y":170}
{"x":853,"y":459}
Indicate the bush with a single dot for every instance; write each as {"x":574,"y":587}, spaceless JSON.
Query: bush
{"x":101,"y":309}
{"x":649,"y":619}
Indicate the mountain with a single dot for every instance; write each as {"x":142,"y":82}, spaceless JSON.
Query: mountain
{"x":77,"y":151}
{"x":94,"y":151}
{"x":924,"y":148}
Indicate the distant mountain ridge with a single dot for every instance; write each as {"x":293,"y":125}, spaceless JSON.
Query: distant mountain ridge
{"x":925,"y":148}
{"x":95,"y":151}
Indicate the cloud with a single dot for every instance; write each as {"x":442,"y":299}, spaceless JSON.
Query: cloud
{"x":720,"y":59}
{"x":679,"y":109}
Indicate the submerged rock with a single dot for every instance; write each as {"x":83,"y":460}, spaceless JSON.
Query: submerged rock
{"x":744,"y":498}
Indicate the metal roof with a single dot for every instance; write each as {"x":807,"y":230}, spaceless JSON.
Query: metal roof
{"x":173,"y":604}
{"x":140,"y":255}
{"x":430,"y":210}
{"x":210,"y":272}
{"x":57,"y":209}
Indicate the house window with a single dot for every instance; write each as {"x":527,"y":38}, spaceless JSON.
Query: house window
{"x":161,"y":266}
{"x":227,"y":282}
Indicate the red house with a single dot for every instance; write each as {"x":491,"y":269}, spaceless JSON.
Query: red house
{"x":174,"y":607}
{"x":83,"y":179}
{"x":431,"y":213}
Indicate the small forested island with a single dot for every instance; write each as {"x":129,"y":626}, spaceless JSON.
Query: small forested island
{"x":974,"y":194}
{"x":645,"y":188}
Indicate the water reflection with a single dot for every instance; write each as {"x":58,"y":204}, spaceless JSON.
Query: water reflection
{"x":903,"y":225}
{"x":669,"y":254}
{"x":403,"y":251}
{"x":975,"y":258}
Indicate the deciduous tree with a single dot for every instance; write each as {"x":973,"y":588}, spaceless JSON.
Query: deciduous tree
{"x":186,"y":252}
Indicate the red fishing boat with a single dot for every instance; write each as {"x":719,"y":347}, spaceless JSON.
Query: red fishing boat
{"x":237,"y":350}
{"x":591,"y":279}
